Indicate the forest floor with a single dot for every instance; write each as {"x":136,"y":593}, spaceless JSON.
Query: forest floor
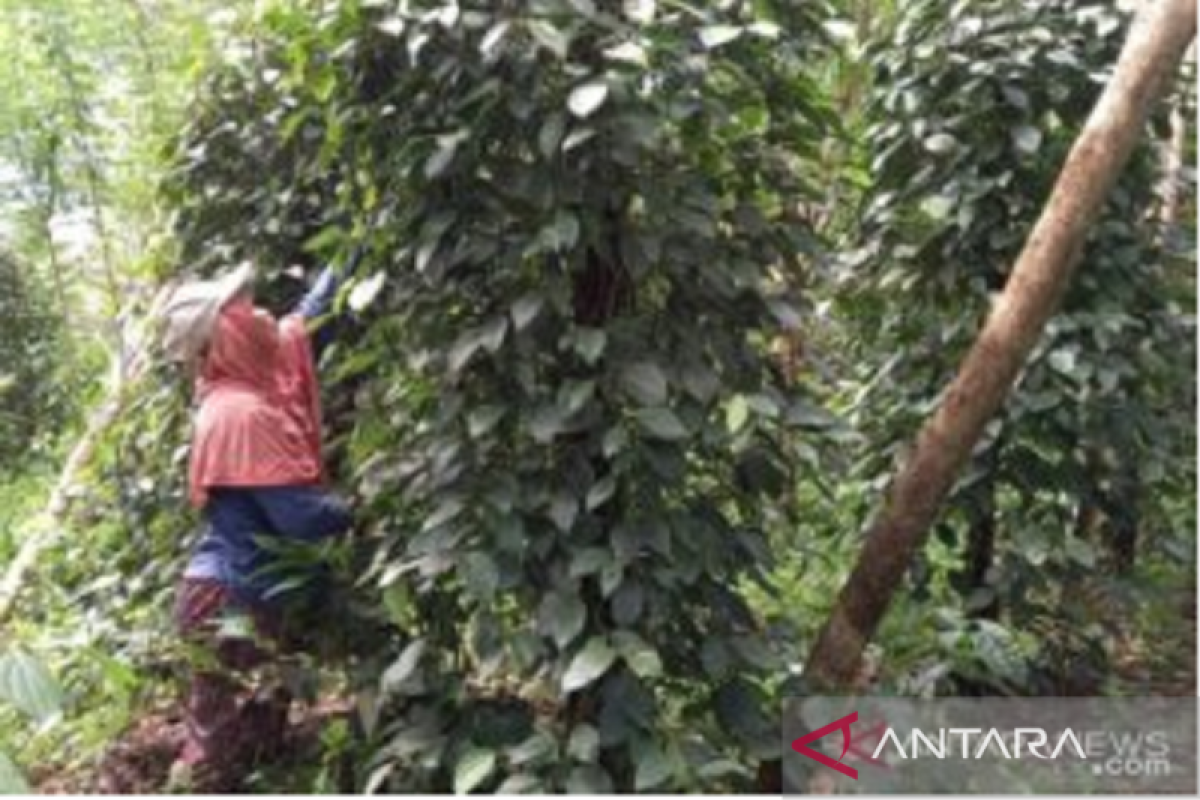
{"x":139,"y":762}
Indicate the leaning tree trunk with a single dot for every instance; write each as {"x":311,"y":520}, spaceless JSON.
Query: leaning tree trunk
{"x":1160,"y":34}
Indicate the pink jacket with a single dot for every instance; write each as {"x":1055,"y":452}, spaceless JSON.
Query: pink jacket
{"x":259,"y":422}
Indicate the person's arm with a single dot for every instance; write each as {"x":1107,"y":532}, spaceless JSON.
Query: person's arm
{"x":303,"y":513}
{"x":315,"y":304}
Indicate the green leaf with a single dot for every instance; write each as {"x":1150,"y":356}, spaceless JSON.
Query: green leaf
{"x":365,"y":292}
{"x":589,"y":343}
{"x":566,"y":230}
{"x":590,"y":779}
{"x":653,"y":768}
{"x":403,"y":668}
{"x":722,"y":767}
{"x":645,"y":383}
{"x":615,"y":440}
{"x":589,"y":665}
{"x":562,"y":615}
{"x":462,"y":351}
{"x":576,"y":138}
{"x":589,"y":561}
{"x":481,"y":575}
{"x":491,"y":335}
{"x":610,"y":577}
{"x":521,"y":784}
{"x":584,"y":744}
{"x":737,"y":413}
{"x":1015,"y":96}
{"x":1081,"y":552}
{"x":587,"y":98}
{"x":700,"y":382}
{"x":938,"y":206}
{"x":482,"y":420}
{"x":551,"y":135}
{"x":805,"y":414}
{"x":538,"y":747}
{"x":525,"y":309}
{"x":26,"y":684}
{"x":717,"y":35}
{"x":628,"y":53}
{"x":494,"y":37}
{"x":641,"y":657}
{"x":447,"y":148}
{"x":1027,"y":139}
{"x":550,"y":37}
{"x":940,"y":143}
{"x":446,"y":510}
{"x":546,"y":423}
{"x":661,"y":423}
{"x":601,"y":491}
{"x":640,"y":12}
{"x":564,"y":508}
{"x":473,"y":768}
{"x":574,"y":395}
{"x":1063,"y":361}
{"x":11,"y":779}
{"x":392,"y":26}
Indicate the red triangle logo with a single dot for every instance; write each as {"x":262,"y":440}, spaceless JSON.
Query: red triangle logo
{"x":843,"y":724}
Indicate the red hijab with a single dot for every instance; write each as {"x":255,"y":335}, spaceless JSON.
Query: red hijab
{"x":259,"y":422}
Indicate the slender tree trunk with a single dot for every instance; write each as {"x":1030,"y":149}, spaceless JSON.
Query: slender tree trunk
{"x":1160,"y":34}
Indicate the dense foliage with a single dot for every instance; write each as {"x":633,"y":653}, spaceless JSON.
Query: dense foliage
{"x":579,"y":240}
{"x":651,"y":297}
{"x":973,"y":113}
{"x":28,"y":375}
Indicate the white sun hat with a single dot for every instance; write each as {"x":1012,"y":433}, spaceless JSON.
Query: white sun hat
{"x":192,"y":311}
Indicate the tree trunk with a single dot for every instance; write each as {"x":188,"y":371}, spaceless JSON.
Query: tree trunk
{"x":1160,"y":34}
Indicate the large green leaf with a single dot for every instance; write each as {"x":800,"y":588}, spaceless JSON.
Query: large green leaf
{"x":645,"y":382}
{"x":584,"y":744}
{"x":591,"y":779}
{"x":474,"y":767}
{"x":404,"y":668}
{"x":11,"y":779}
{"x":661,"y":423}
{"x":587,"y":98}
{"x":562,"y":616}
{"x":26,"y":684}
{"x":588,"y":665}
{"x":653,"y":769}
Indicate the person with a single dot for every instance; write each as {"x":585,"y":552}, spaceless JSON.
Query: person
{"x":256,"y":474}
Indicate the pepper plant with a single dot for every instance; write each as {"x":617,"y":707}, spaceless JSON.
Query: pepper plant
{"x":581,"y":224}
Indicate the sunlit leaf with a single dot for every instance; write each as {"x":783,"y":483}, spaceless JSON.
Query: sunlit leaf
{"x":587,"y":98}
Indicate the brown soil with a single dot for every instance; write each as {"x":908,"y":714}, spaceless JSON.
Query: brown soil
{"x":139,"y":762}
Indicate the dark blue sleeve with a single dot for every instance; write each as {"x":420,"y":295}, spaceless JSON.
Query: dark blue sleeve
{"x":303,"y":513}
{"x":319,"y":298}
{"x":316,"y":302}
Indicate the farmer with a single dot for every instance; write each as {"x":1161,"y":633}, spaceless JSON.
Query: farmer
{"x":255,"y":474}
